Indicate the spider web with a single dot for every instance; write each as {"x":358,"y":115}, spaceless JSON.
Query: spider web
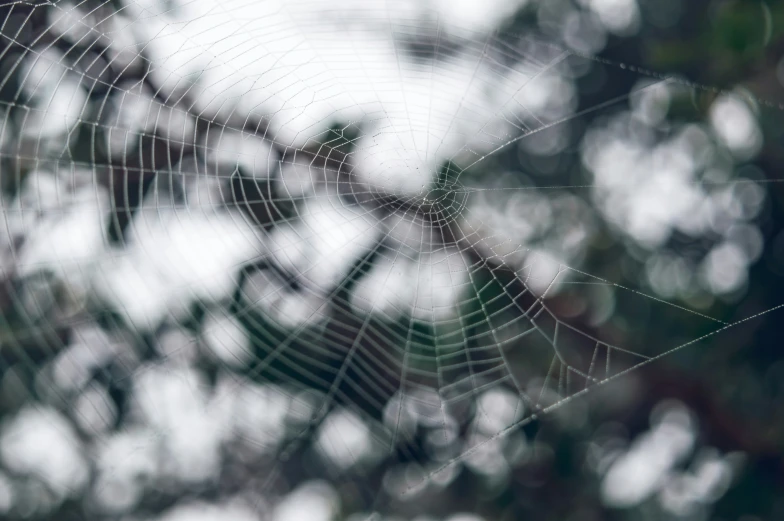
{"x":303,"y":187}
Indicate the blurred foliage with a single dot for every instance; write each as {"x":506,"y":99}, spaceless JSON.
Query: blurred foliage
{"x":732,"y":381}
